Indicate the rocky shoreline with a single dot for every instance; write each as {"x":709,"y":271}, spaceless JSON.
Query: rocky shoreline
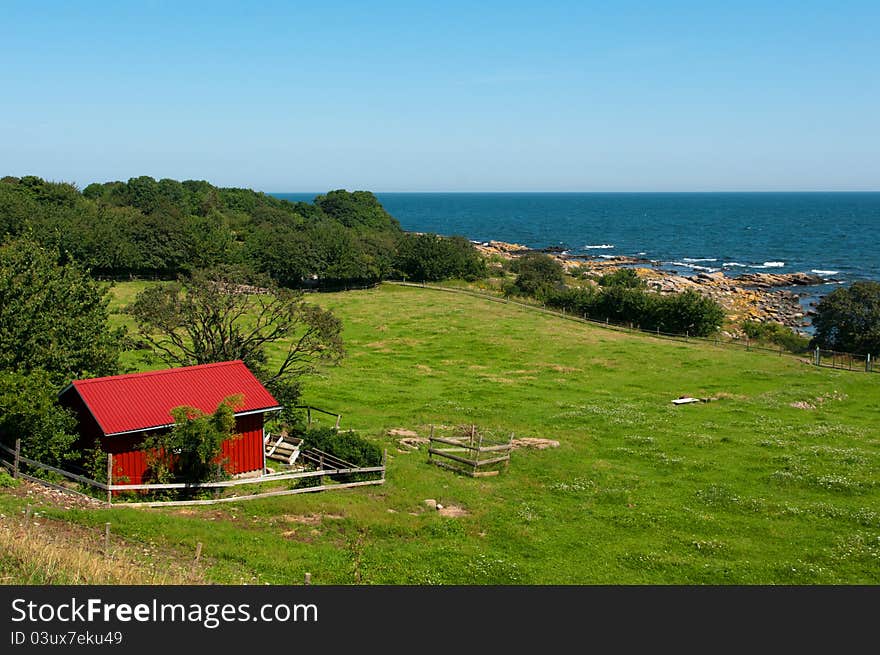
{"x":751,"y":296}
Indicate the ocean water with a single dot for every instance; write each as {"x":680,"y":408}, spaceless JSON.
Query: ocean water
{"x":836,"y":235}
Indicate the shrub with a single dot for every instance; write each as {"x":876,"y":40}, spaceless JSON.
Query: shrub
{"x":776,"y":333}
{"x":192,"y":449}
{"x":537,"y":275}
{"x":622,"y":277}
{"x":347,"y":446}
{"x":684,"y":313}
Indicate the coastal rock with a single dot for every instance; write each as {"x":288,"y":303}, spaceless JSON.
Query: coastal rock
{"x":767,"y":280}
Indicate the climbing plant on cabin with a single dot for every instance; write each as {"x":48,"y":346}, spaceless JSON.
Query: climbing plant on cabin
{"x":192,"y":450}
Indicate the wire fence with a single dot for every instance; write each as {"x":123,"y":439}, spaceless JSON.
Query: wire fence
{"x":821,"y":358}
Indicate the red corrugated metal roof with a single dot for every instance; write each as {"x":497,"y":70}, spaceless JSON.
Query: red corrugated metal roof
{"x":139,"y":401}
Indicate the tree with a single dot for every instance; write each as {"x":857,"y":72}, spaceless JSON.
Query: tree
{"x":848,"y":319}
{"x":358,"y":209}
{"x":222,"y":315}
{"x":429,"y":258}
{"x":53,"y":317}
{"x":29,"y":411}
{"x":192,"y":449}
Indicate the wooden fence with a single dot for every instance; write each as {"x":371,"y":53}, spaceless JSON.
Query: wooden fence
{"x":481,"y":454}
{"x":316,"y":457}
{"x":309,"y":409}
{"x":825,"y":359}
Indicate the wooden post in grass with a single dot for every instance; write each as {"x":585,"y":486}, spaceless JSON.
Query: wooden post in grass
{"x":197,"y":557}
{"x":309,"y":415}
{"x":308,"y":578}
{"x":384,"y":460}
{"x":430,"y":443}
{"x":109,"y":478}
{"x":477,"y":455}
{"x":509,"y":448}
{"x":106,"y":540}
{"x":16,"y":460}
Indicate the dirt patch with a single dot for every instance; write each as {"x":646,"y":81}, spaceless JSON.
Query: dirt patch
{"x":563,"y":369}
{"x":304,"y":519}
{"x":534,"y":442}
{"x":801,"y":404}
{"x":413,"y":443}
{"x":40,"y":494}
{"x":402,"y":432}
{"x":427,"y":370}
{"x":723,"y":395}
{"x":500,"y":380}
{"x":453,"y":511}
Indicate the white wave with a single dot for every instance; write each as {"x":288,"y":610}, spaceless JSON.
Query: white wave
{"x":608,"y":256}
{"x":641,"y":253}
{"x":601,"y":246}
{"x":699,"y":259}
{"x":732,"y":264}
{"x":695,"y":267}
{"x":774,"y":264}
{"x":819,"y":271}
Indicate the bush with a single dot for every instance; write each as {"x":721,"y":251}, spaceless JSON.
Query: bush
{"x":777,"y":334}
{"x":622,"y":277}
{"x":192,"y":449}
{"x":683,"y":313}
{"x":538,"y":275}
{"x":347,"y":446}
{"x":689,"y":313}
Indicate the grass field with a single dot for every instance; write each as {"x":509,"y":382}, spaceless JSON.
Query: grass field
{"x":744,"y":489}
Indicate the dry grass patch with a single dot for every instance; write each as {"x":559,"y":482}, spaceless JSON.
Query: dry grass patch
{"x":41,"y":551}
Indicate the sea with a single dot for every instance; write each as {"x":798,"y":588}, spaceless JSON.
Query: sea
{"x":833,"y":235}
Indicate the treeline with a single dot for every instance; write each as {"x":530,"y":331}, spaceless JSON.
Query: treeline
{"x":165,"y":228}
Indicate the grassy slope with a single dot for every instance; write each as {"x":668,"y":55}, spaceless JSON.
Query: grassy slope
{"x":745,"y":489}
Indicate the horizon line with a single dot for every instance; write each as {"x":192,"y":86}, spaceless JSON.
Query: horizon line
{"x":596,"y":191}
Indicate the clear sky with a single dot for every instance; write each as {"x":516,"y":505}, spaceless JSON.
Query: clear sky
{"x":445,"y":96}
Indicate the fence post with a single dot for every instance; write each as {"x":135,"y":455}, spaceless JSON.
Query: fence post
{"x":477,"y":455}
{"x":109,"y":478}
{"x":309,"y":415}
{"x":430,"y":443}
{"x":16,"y":461}
{"x":868,"y":363}
{"x":197,"y":557}
{"x":384,"y":462}
{"x":817,"y":359}
{"x":338,"y":418}
{"x":308,"y":580}
{"x":106,"y":540}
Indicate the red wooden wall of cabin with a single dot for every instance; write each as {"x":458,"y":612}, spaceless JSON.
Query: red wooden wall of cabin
{"x":243,"y":453}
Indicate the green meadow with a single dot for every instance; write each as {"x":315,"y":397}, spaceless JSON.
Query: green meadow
{"x":775,"y":480}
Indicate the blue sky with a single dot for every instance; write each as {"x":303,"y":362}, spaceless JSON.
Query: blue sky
{"x":446,"y":96}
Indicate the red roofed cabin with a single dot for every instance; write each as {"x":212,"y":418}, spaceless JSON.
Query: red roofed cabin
{"x":119,"y":410}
